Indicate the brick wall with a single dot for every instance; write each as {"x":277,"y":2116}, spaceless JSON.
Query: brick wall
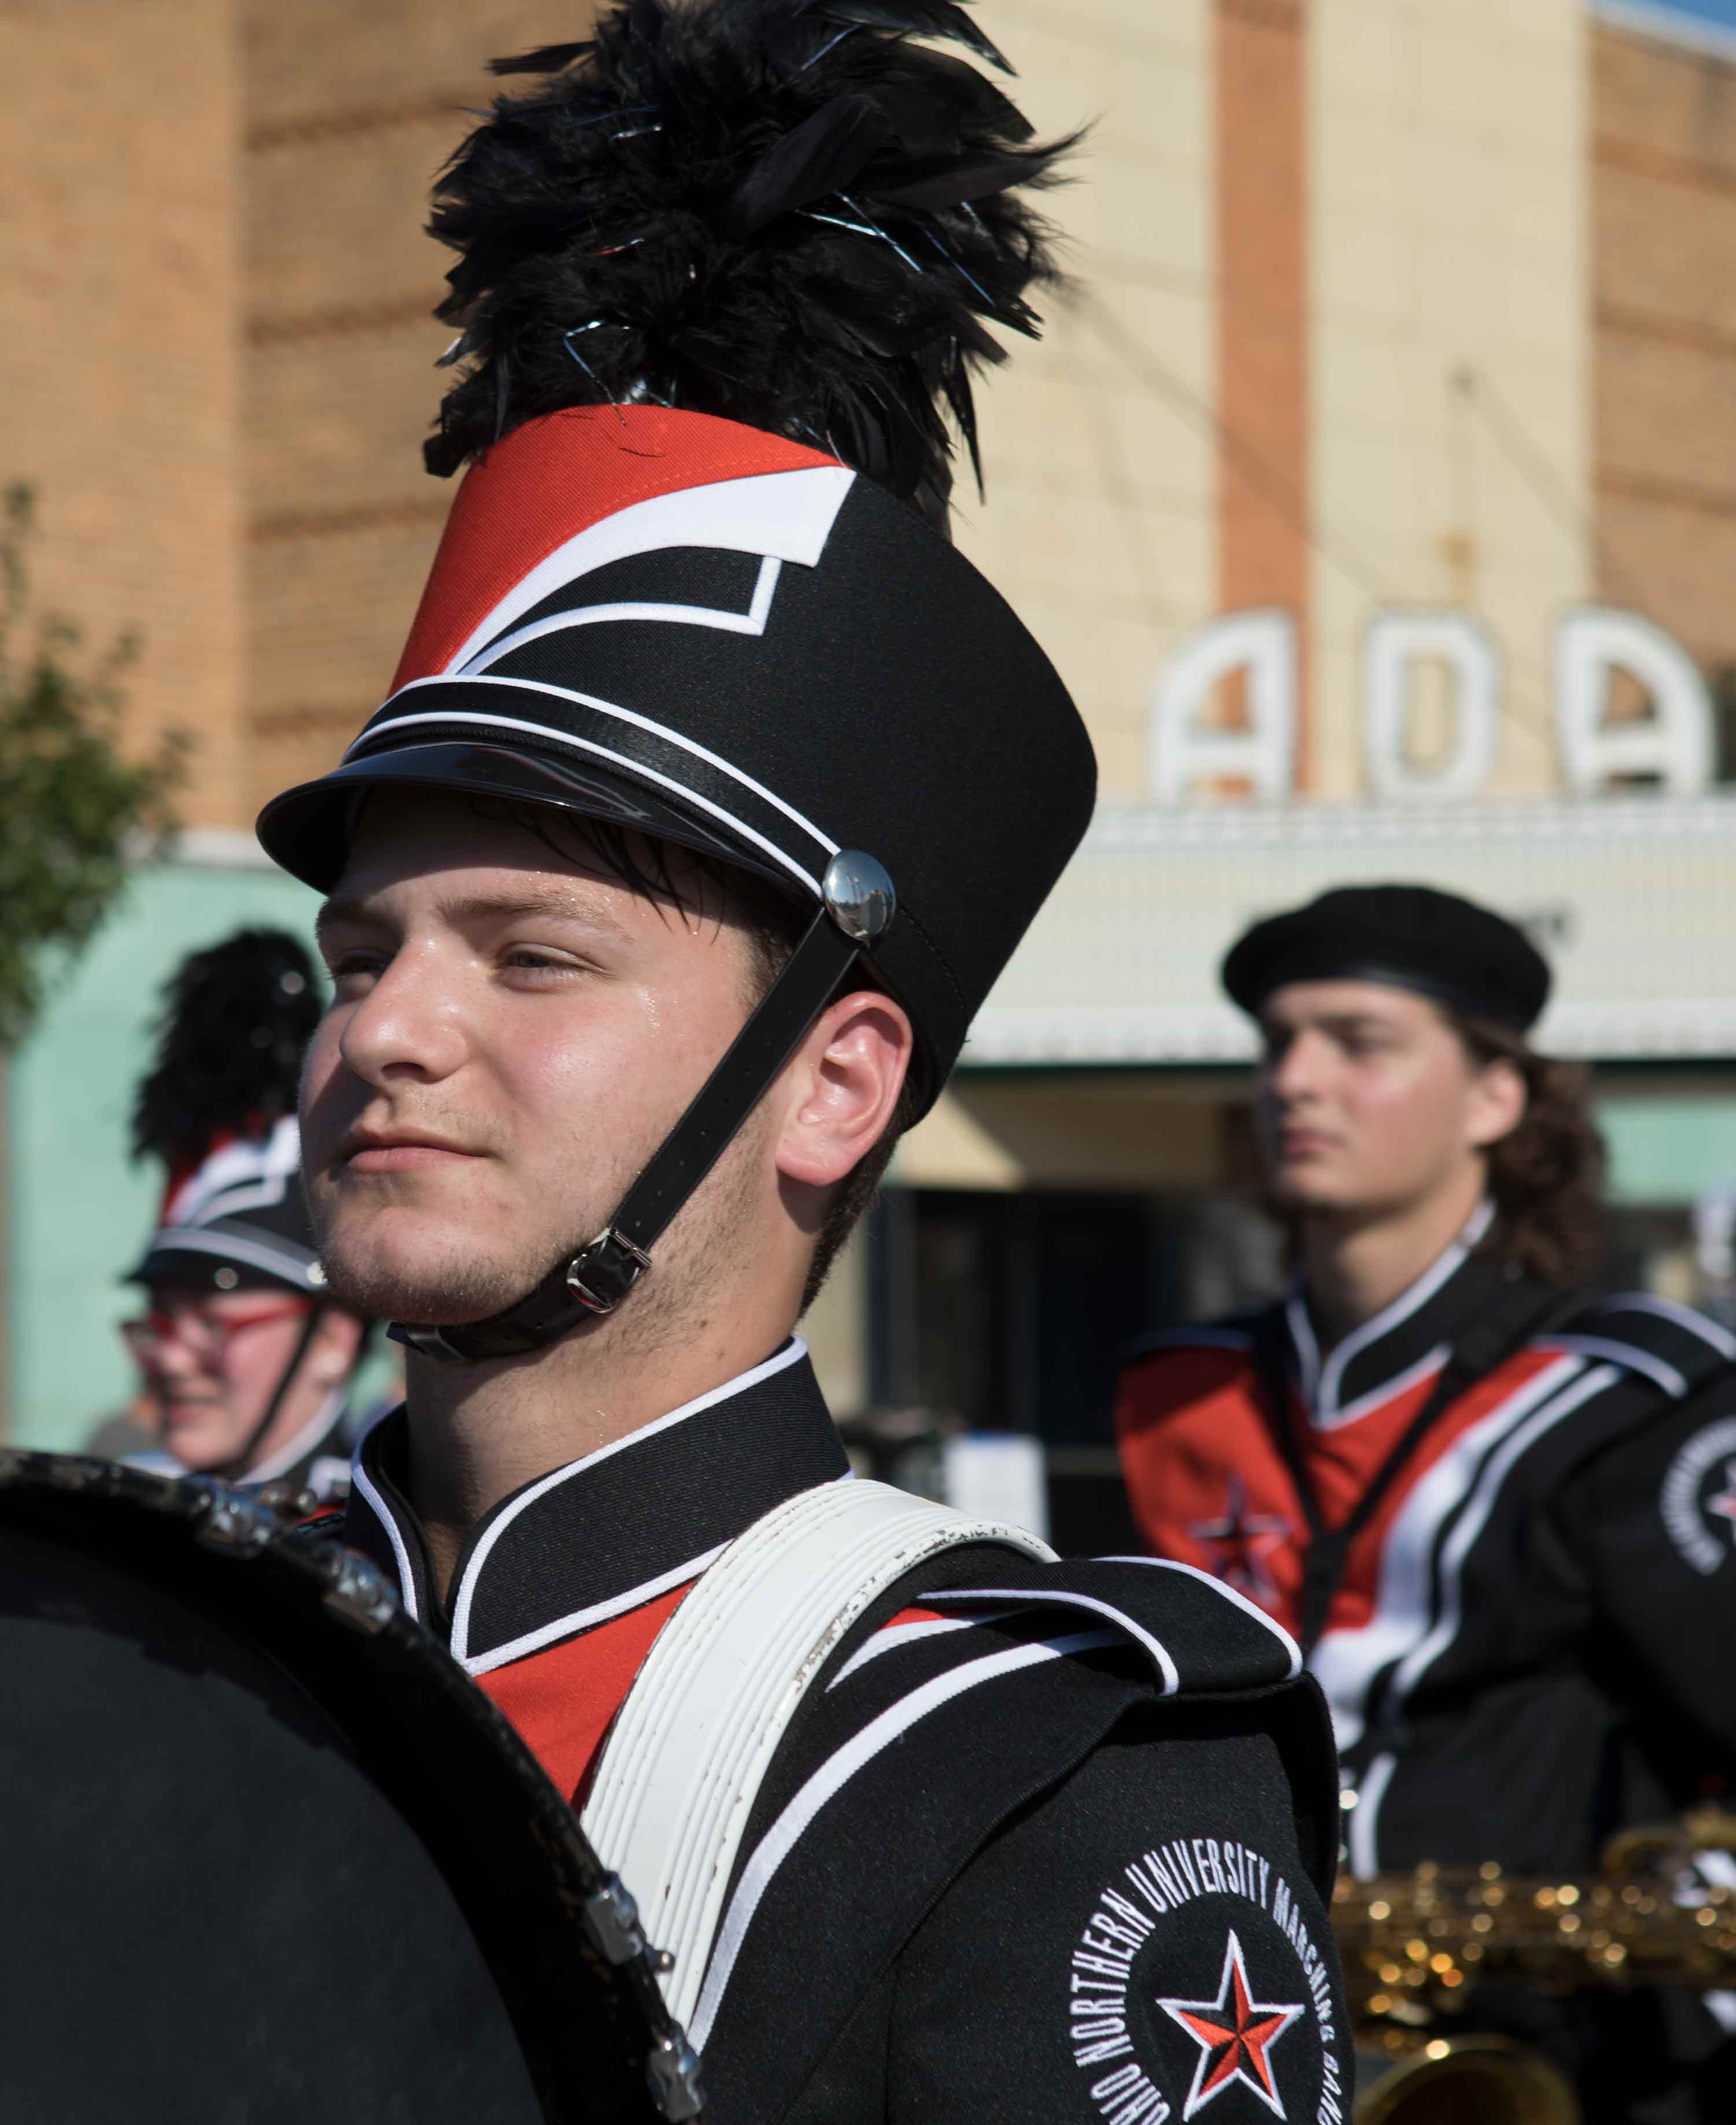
{"x":118,"y":356}
{"x":350,"y":111}
{"x":1099,"y":443}
{"x":1664,"y":203}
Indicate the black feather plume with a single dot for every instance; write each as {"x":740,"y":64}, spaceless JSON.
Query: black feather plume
{"x":787,"y":212}
{"x":236,"y":1021}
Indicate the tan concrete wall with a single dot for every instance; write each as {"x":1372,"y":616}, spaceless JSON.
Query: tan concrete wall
{"x":1100,"y":522}
{"x":1128,"y":1130}
{"x":1665,"y":200}
{"x":118,"y":357}
{"x":1449,"y":239}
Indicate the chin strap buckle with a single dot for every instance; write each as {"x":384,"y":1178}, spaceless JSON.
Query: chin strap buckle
{"x":600,"y":1275}
{"x":432,"y":1342}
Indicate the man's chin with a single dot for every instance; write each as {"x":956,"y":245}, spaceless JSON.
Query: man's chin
{"x":198,"y":1447}
{"x":1294,"y":1191}
{"x":442,"y":1293}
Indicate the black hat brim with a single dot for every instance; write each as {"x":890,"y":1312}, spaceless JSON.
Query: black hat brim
{"x":257,"y":1257}
{"x":310,"y":828}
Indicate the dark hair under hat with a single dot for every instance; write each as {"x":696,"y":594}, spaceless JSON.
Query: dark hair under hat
{"x":1412,"y":937}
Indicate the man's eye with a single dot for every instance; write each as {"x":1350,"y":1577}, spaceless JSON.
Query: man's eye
{"x":349,"y":969}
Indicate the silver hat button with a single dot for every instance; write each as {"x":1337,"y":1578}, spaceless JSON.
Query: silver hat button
{"x":858,"y":896}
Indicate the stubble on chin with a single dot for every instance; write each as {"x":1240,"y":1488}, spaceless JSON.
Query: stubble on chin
{"x":435,"y":1272}
{"x":425,"y":1271}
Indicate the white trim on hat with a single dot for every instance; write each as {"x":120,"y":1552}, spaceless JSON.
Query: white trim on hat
{"x":284,"y":1260}
{"x":789,"y":515}
{"x":751,"y":622}
{"x":625,"y":760}
{"x":247,"y":1173}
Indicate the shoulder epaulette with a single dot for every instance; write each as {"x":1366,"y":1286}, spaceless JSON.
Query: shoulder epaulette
{"x":1195,"y":1635}
{"x":1677,"y":1349}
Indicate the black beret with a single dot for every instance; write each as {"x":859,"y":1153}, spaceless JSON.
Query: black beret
{"x":1407,"y":937}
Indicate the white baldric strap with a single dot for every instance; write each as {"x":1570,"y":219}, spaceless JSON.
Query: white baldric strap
{"x":693,"y":1740}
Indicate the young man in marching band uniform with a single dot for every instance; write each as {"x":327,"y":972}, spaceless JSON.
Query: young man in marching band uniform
{"x":1491,"y":1504}
{"x":247,"y":1359}
{"x":714,"y":791}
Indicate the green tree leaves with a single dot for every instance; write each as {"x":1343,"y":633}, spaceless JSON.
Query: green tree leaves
{"x":76,"y":810}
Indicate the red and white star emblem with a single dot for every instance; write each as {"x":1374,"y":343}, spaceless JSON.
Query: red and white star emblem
{"x":1238,"y":1544}
{"x":1235,"y":2033}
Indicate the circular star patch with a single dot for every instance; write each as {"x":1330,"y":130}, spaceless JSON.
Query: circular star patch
{"x":1235,"y":2033}
{"x":1698,"y":1499}
{"x":1202,"y":1987}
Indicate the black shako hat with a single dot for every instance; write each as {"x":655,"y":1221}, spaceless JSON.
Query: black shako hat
{"x":719,"y":280}
{"x":1405,"y":936}
{"x":684,"y":625}
{"x":218,"y":1107}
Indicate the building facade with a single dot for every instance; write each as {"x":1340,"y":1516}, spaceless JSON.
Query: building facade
{"x":1374,"y":489}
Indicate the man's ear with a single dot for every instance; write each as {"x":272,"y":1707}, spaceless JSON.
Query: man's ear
{"x":842,"y":1087}
{"x":1497,"y":1102}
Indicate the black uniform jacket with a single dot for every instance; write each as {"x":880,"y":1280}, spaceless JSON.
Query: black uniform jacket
{"x":1534,"y":1639}
{"x":1043,"y":1843}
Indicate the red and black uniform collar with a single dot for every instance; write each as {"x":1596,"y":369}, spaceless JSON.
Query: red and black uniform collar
{"x":1404,"y":1344}
{"x":610,"y":1532}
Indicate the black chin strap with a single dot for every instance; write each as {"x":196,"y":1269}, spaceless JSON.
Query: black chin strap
{"x":286,"y":1380}
{"x":859,"y":904}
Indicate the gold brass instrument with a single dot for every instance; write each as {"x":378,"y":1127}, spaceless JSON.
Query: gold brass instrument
{"x":1414,"y":1946}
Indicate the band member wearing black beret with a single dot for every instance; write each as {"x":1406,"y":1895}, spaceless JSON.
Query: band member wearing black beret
{"x":1496,"y":1507}
{"x":713,"y":792}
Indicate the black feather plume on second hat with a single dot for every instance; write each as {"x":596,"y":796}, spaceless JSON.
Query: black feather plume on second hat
{"x":217,"y":1109}
{"x":236,"y":1021}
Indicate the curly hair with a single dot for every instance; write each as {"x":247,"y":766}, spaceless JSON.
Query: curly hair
{"x":1545,"y":1176}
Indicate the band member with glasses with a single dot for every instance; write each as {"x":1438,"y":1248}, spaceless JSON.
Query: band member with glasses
{"x":246,"y":1360}
{"x":1493,"y":1505}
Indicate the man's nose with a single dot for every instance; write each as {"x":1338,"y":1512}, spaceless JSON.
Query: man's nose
{"x":173,"y":1356}
{"x":408,"y":1025}
{"x":1294,"y":1072}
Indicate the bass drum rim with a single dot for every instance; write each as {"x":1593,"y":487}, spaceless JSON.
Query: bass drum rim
{"x":510,"y":1849}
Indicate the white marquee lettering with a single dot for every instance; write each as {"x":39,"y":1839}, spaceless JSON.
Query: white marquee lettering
{"x":1674,"y":742}
{"x":1181,"y":750}
{"x":1395,"y":644}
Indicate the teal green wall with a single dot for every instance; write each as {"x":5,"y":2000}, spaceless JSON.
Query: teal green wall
{"x":1668,"y":1151}
{"x":76,"y":1211}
